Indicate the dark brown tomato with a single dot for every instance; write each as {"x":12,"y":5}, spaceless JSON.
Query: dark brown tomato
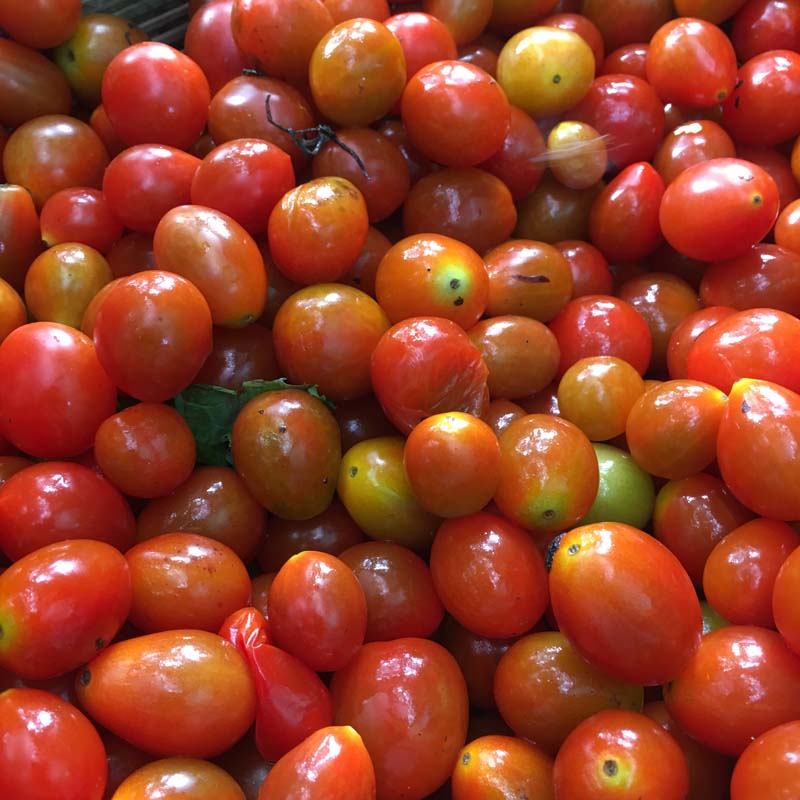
{"x":287,"y":448}
{"x":362,"y":419}
{"x":239,"y":355}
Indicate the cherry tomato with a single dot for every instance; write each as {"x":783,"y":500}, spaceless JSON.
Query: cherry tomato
{"x":56,"y":409}
{"x":576,"y":154}
{"x":599,"y":577}
{"x":620,"y":754}
{"x":624,"y":21}
{"x":408,"y":696}
{"x":197,"y":778}
{"x":784,"y":608}
{"x":60,"y":605}
{"x":762,"y":25}
{"x":19,"y":232}
{"x":465,"y":20}
{"x":723,"y":700}
{"x":685,"y":334}
{"x":161,"y":692}
{"x":286,"y":447}
{"x":80,"y":215}
{"x":53,"y":501}
{"x":331,"y":764}
{"x":767,"y":767}
{"x":423,"y":37}
{"x":43,"y":24}
{"x":62,"y":753}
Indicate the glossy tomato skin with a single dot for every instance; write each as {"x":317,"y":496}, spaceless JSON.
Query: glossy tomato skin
{"x":505,"y":766}
{"x":544,"y":688}
{"x":762,"y":25}
{"x":325,"y":335}
{"x":759,"y":430}
{"x":599,"y":577}
{"x":80,"y":214}
{"x":685,"y":334}
{"x":145,"y":181}
{"x":317,"y":610}
{"x":404,"y":696}
{"x":332,"y":763}
{"x":152,"y":334}
{"x":427,"y":365}
{"x":489,"y":575}
{"x":162,"y":691}
{"x":60,"y":605}
{"x":622,"y":755}
{"x":762,"y":109}
{"x":172,"y":87}
{"x":57,"y":500}
{"x":725,"y":701}
{"x":214,"y":502}
{"x":287,"y":449}
{"x":50,"y":749}
{"x":548,"y":473}
{"x":784,"y":607}
{"x":20,"y":231}
{"x":767,"y":767}
{"x":65,"y":395}
{"x":197,"y":778}
{"x":691,"y":143}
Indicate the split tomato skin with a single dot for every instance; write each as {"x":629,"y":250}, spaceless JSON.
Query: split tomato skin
{"x":599,"y":578}
{"x":61,"y":604}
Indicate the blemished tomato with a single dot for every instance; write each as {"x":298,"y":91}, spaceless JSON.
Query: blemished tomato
{"x":56,"y":408}
{"x":759,"y":429}
{"x":57,"y":500}
{"x":408,"y":696}
{"x":60,"y":605}
{"x":317,"y":610}
{"x":62,"y":753}
{"x":725,"y":701}
{"x":185,"y":580}
{"x":489,"y":575}
{"x":161,"y":692}
{"x":622,"y":755}
{"x":599,"y":578}
{"x":198,"y":779}
{"x":287,"y":449}
{"x":503,"y":765}
{"x":331,"y":764}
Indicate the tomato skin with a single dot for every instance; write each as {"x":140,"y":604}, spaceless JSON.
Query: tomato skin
{"x":198,"y":779}
{"x":427,"y":365}
{"x":784,"y":607}
{"x":686,"y":333}
{"x":171,"y":86}
{"x":505,"y":766}
{"x":767,"y":767}
{"x":725,"y":701}
{"x":287,"y":449}
{"x":622,"y":755}
{"x":152,"y":334}
{"x":455,"y":113}
{"x":331,"y":764}
{"x":19,"y":232}
{"x":623,"y":223}
{"x":599,"y":577}
{"x":81,"y":586}
{"x":763,"y":108}
{"x":405,"y":696}
{"x":690,"y":143}
{"x":762,"y":25}
{"x":759,"y":429}
{"x":30,"y":85}
{"x":47,"y":503}
{"x":65,"y":395}
{"x":489,"y":575}
{"x":80,"y":214}
{"x":624,"y":21}
{"x":50,"y":749}
{"x":145,"y":181}
{"x":317,"y":610}
{"x":161,"y":692}
{"x":548,"y":473}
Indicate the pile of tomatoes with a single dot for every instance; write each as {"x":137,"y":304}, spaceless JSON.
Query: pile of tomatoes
{"x":401,"y":401}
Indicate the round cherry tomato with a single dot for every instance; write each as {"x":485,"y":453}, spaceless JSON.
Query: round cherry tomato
{"x":239,"y":355}
{"x":624,"y":21}
{"x":44,"y":24}
{"x":198,"y":780}
{"x":784,"y":608}
{"x":767,"y":767}
{"x":576,"y":154}
{"x":599,"y":578}
{"x":686,"y":333}
{"x":80,"y":214}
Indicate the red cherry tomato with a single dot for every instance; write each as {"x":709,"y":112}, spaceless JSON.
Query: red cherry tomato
{"x":767,"y":767}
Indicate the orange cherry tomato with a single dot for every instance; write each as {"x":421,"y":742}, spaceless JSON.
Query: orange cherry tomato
{"x":198,"y":780}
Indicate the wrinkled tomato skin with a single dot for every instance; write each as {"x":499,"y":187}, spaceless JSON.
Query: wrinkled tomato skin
{"x":61,"y":604}
{"x":50,"y":749}
{"x":599,"y":577}
{"x":161,"y":692}
{"x":724,"y":700}
{"x":405,"y":696}
{"x":53,"y":501}
{"x":55,"y":410}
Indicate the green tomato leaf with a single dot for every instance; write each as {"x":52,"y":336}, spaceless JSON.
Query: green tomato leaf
{"x":210,"y":412}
